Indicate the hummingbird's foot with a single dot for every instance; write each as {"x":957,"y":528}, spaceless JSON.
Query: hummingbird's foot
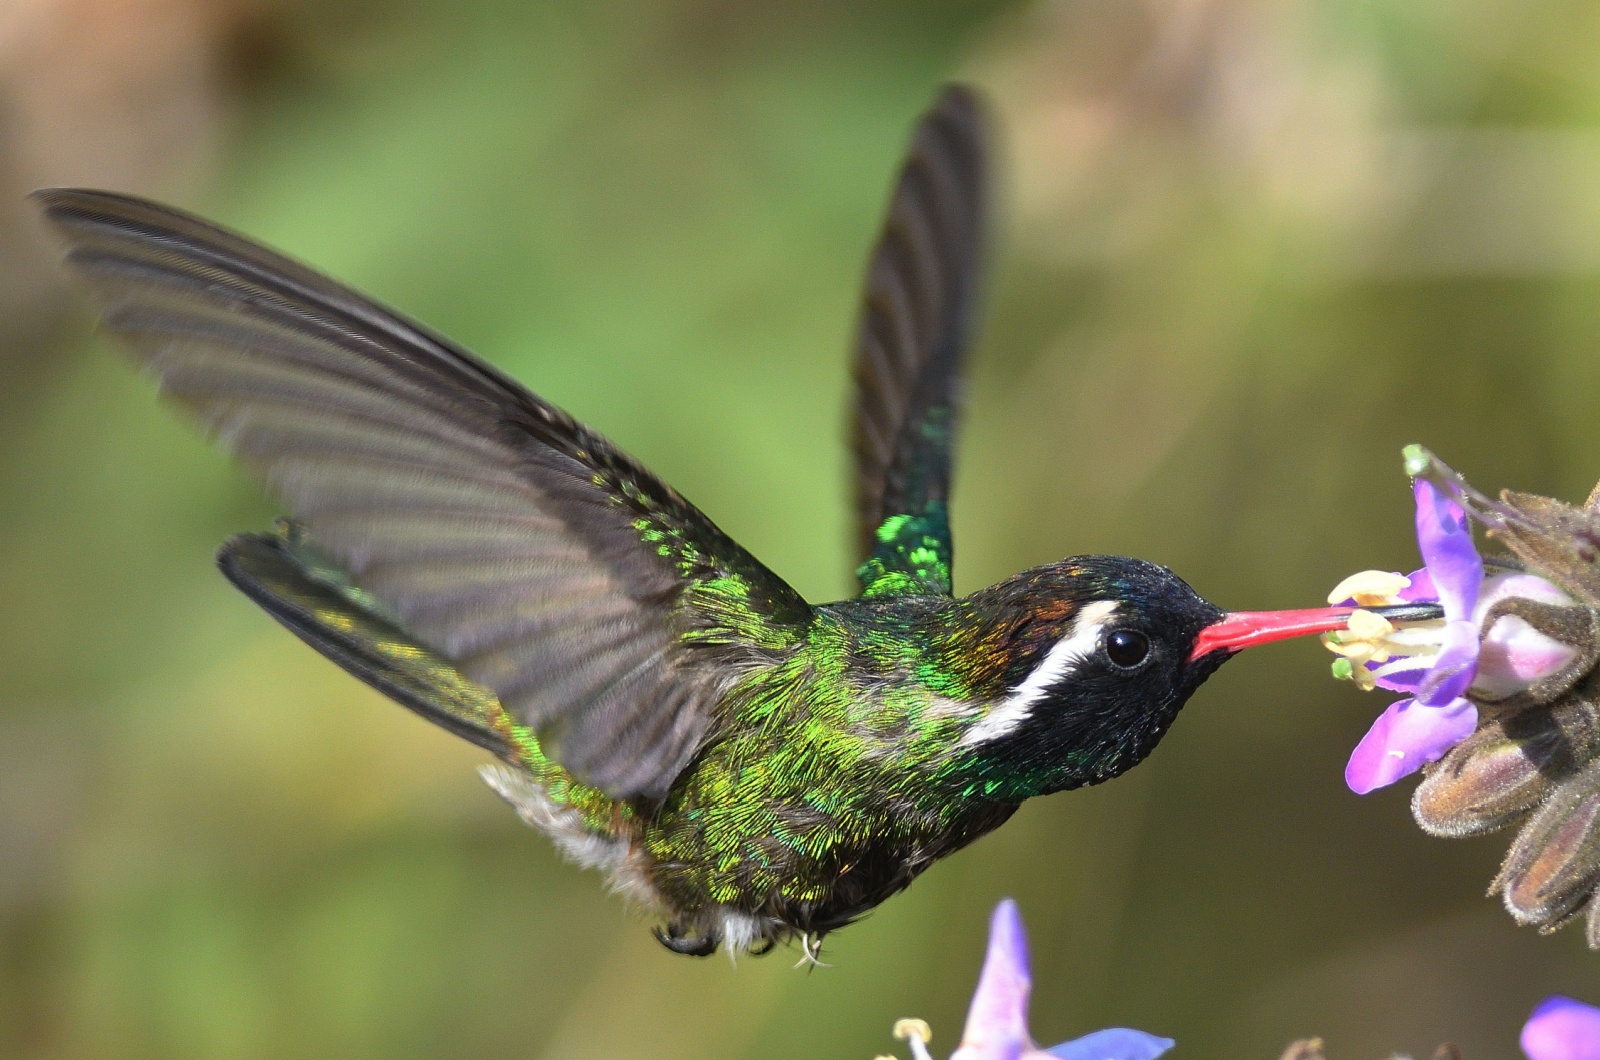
{"x":675,"y":939}
{"x":811,"y":951}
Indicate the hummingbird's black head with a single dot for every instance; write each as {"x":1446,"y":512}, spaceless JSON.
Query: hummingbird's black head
{"x":1092,"y":658}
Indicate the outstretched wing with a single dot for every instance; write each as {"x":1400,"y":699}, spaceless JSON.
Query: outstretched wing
{"x":920,"y":291}
{"x":603,"y":609}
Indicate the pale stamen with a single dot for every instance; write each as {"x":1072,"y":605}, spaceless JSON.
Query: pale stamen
{"x":916,"y":1034}
{"x":1370,"y":646}
{"x":1370,"y":588}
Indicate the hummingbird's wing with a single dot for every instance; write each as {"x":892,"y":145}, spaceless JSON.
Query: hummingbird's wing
{"x":921,"y":288}
{"x":605,"y":611}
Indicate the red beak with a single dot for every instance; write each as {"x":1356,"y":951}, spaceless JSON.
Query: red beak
{"x":1238,"y":630}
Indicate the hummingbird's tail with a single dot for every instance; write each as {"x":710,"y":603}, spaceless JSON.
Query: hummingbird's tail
{"x":315,"y":600}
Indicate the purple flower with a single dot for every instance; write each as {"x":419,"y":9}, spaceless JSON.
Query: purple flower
{"x":1443,"y":666}
{"x":1437,"y":716}
{"x":1562,"y":1029}
{"x":997,"y":1021}
{"x":1522,"y":643}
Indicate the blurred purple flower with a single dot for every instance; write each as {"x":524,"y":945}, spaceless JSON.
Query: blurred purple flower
{"x":1562,"y":1029}
{"x":997,"y":1022}
{"x":1437,"y":716}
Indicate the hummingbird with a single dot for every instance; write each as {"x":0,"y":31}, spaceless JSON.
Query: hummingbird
{"x":750,"y":768}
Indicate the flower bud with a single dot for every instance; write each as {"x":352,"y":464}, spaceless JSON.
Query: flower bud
{"x":1505,"y":769}
{"x":1554,"y":863}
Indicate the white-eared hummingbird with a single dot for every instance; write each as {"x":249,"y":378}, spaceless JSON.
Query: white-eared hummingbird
{"x":746,"y":765}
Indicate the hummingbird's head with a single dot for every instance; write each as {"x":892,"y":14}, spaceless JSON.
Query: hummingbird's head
{"x":1088,"y":661}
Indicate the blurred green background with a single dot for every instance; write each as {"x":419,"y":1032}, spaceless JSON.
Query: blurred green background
{"x":1251,"y":249}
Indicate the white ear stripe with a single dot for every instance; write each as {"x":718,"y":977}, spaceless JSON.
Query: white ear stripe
{"x":1062,"y":658}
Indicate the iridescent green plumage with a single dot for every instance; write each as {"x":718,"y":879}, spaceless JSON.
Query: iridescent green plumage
{"x":841,"y":778}
{"x":910,"y":556}
{"x":748,"y":766}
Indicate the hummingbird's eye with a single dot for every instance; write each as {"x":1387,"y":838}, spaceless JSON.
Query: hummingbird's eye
{"x":1127,"y":648}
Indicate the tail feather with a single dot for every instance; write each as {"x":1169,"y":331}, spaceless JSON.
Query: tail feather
{"x":311,"y":597}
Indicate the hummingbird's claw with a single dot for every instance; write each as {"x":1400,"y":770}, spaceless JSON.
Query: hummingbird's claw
{"x":811,"y":951}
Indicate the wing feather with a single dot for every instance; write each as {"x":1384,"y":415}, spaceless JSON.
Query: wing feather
{"x":542,"y":561}
{"x":921,"y":287}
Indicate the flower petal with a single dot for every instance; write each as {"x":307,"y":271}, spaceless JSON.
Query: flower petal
{"x":1453,"y":668}
{"x":1506,"y":584}
{"x":1514,"y":655}
{"x":1562,"y":1029}
{"x":1445,"y":541}
{"x":997,"y":1021}
{"x":1114,"y":1043}
{"x":1407,"y":673}
{"x":1421,"y":587}
{"x":1406,"y":737}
